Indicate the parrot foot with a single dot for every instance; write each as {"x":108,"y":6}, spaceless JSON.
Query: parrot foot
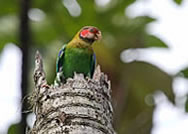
{"x":59,"y":80}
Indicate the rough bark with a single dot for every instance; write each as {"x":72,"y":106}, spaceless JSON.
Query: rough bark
{"x":81,"y":106}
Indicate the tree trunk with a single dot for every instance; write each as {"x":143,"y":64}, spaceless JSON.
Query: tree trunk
{"x":24,"y":37}
{"x":78,"y":107}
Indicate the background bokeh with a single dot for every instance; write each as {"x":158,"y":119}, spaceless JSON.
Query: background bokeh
{"x":125,"y":55}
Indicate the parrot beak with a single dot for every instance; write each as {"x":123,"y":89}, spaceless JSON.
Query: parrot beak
{"x":98,"y":36}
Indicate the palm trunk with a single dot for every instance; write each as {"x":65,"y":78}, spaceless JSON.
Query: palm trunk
{"x":78,"y":107}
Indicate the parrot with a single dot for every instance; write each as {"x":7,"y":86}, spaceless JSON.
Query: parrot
{"x":77,"y":56}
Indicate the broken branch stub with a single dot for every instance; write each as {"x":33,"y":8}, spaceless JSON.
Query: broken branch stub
{"x":81,"y":106}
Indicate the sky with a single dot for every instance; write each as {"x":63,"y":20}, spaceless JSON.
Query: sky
{"x":171,"y":26}
{"x":10,"y":67}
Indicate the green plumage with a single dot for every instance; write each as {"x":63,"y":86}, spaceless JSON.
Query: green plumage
{"x":78,"y":60}
{"x":75,"y":60}
{"x":77,"y":56}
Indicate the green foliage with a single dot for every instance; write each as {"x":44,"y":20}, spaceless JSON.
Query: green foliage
{"x":184,"y":72}
{"x":186,"y":105}
{"x":14,"y":129}
{"x":8,"y":30}
{"x":153,"y":41}
{"x":8,"y":7}
{"x":178,"y":1}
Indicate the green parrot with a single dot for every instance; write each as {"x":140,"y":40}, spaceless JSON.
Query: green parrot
{"x":77,"y":56}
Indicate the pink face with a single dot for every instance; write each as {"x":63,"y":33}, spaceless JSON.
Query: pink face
{"x":90,"y":34}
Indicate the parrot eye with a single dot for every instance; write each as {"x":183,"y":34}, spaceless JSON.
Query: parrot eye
{"x":93,"y":30}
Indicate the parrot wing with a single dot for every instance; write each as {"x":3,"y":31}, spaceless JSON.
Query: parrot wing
{"x":60,"y":58}
{"x":93,"y":64}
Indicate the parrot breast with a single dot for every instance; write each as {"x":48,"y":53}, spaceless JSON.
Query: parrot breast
{"x":77,"y":60}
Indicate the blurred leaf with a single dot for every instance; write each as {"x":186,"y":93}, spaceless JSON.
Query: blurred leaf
{"x":153,"y":41}
{"x":178,"y":1}
{"x":120,"y":5}
{"x":8,"y":7}
{"x":143,"y":20}
{"x":148,"y":78}
{"x":8,"y":30}
{"x":186,"y":104}
{"x":14,"y":129}
{"x":43,"y":32}
{"x":184,"y":72}
{"x":1,"y":47}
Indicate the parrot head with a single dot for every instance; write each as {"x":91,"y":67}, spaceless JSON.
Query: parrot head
{"x":90,"y":34}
